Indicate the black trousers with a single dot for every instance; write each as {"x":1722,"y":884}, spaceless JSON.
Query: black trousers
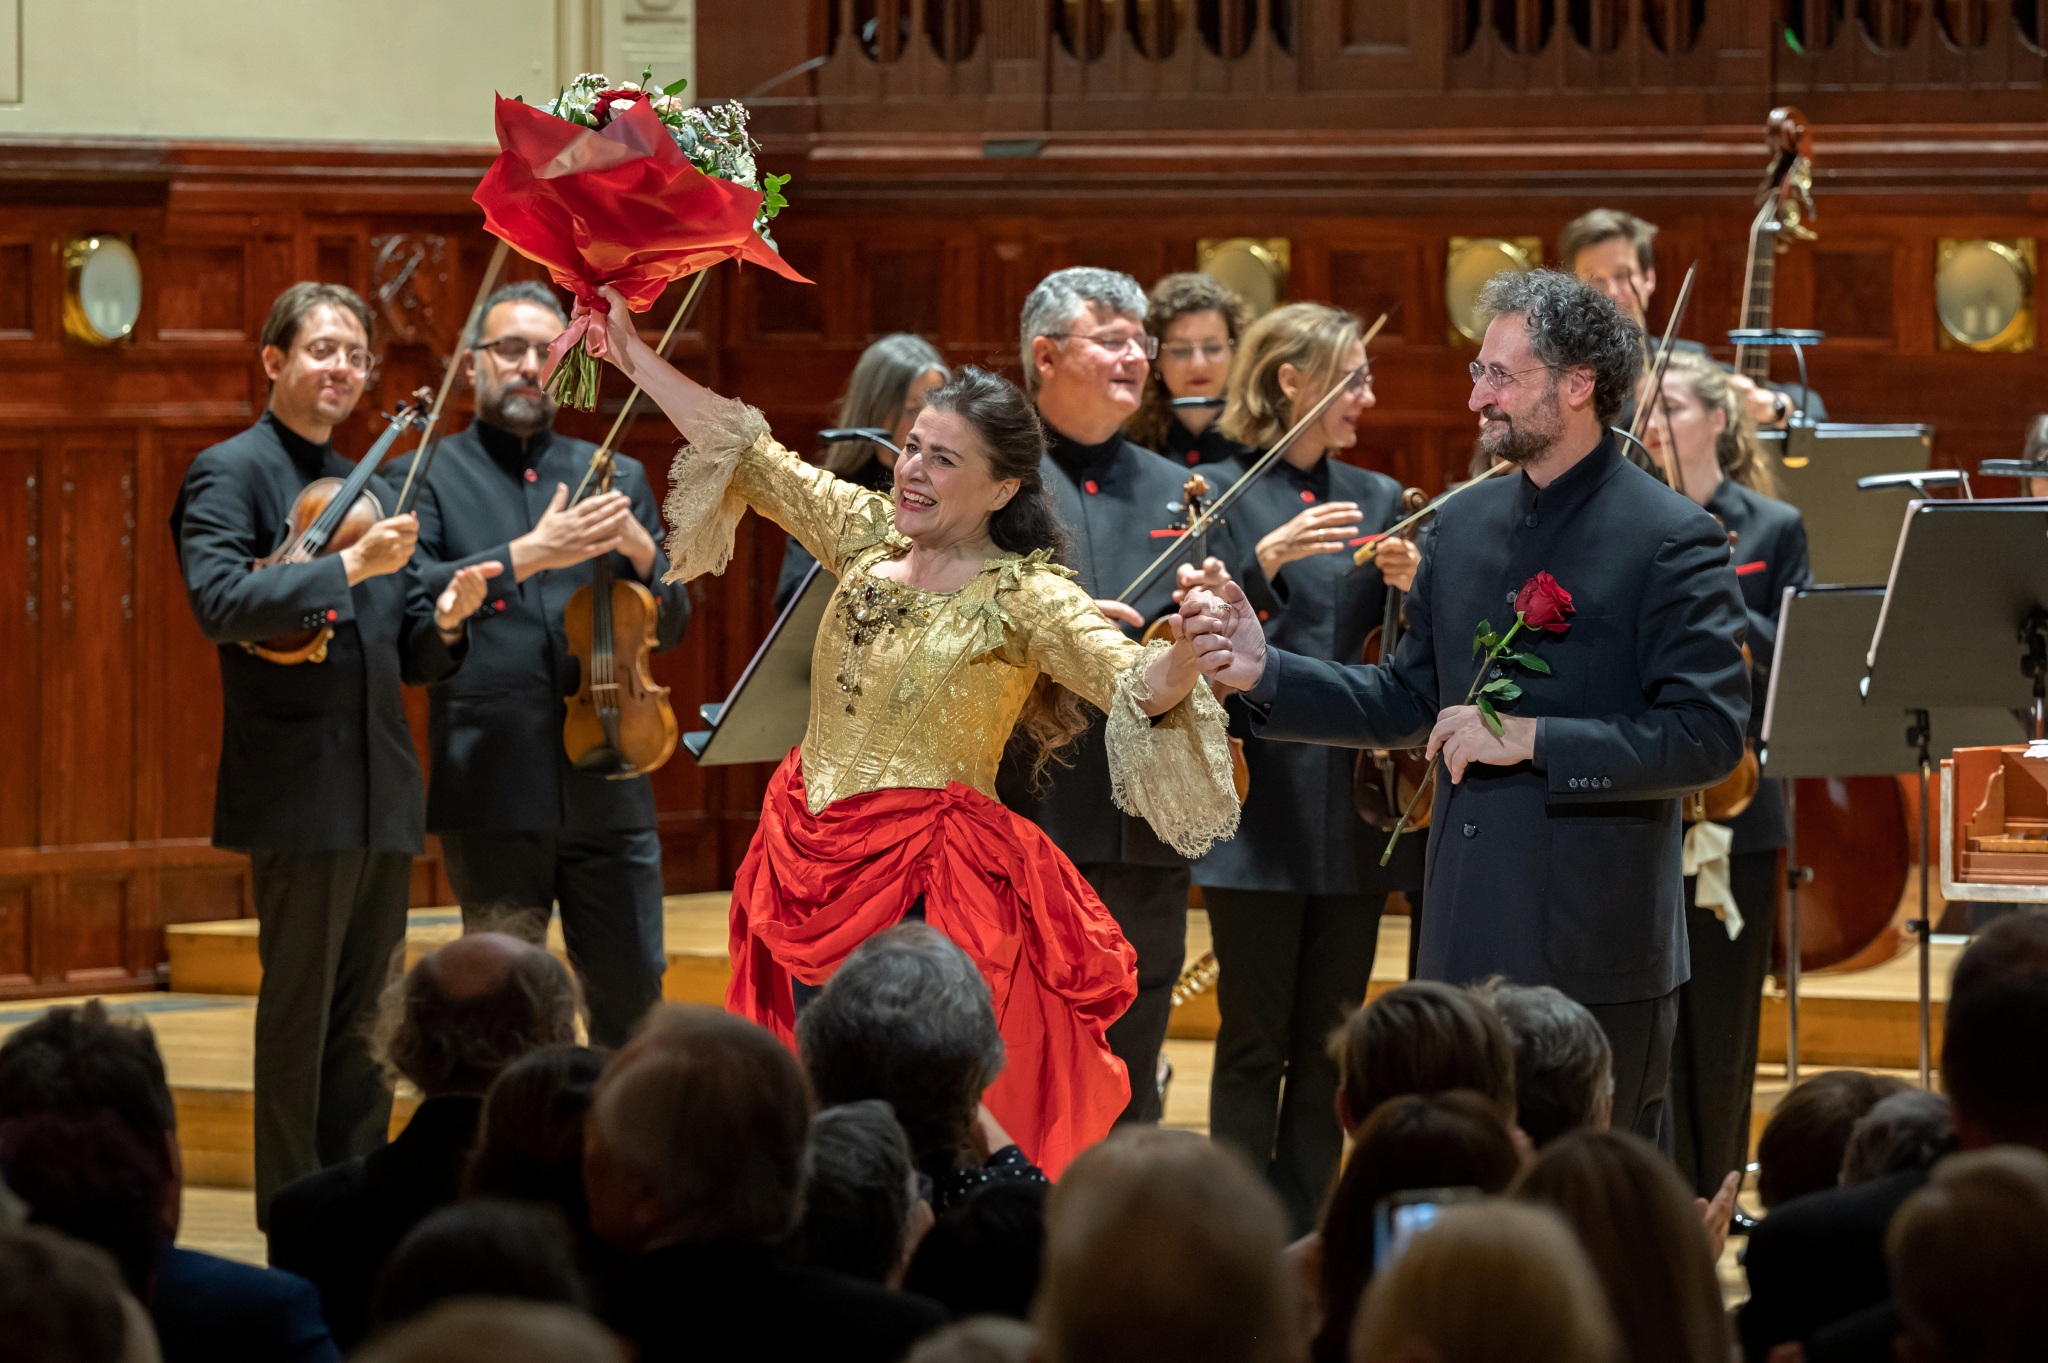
{"x":1641,"y":1034}
{"x":1713,"y":1067}
{"x":609,"y":886}
{"x":1290,"y":967}
{"x":329,"y":925}
{"x":1150,"y":904}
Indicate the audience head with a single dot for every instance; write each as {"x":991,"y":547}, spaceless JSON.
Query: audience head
{"x":529,"y":1143}
{"x":1801,"y":1148}
{"x":453,"y":1022}
{"x":696,"y":1133}
{"x":1909,"y":1130}
{"x":1558,"y":362}
{"x":1968,"y":1255}
{"x":1490,"y":1282}
{"x":886,"y":391}
{"x":1085,"y":350}
{"x":61,"y":1301}
{"x":77,"y":1060}
{"x":1637,"y":1222}
{"x":983,"y":1254}
{"x":861,"y":1192}
{"x":1443,"y":1140}
{"x":1161,"y":1245}
{"x":1197,"y":322}
{"x":482,"y":1247}
{"x":1610,"y":250}
{"x":1564,"y":1064}
{"x":981,"y":1339}
{"x":907,"y":1019}
{"x":488,"y":1331}
{"x":1994,"y":1051}
{"x":1422,"y":1037}
{"x":86,"y":1174}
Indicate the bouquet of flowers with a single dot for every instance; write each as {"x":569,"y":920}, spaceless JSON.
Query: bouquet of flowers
{"x":630,"y":185}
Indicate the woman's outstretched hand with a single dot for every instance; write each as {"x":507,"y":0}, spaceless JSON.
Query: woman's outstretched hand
{"x":621,"y":345}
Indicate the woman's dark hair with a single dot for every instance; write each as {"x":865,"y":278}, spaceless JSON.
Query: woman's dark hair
{"x":1175,"y":297}
{"x":1013,"y":440}
{"x":876,"y":393}
{"x":857,"y":1195}
{"x":478,"y":1248}
{"x":1636,"y":1219}
{"x":1424,"y":1037}
{"x":529,"y":1143}
{"x":1801,"y":1148}
{"x":1440,"y":1140}
{"x":91,"y":1177}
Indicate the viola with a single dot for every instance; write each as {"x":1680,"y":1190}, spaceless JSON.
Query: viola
{"x":619,"y":723}
{"x":328,"y":516}
{"x":1384,"y":783}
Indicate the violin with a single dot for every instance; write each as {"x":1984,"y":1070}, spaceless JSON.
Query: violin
{"x":328,"y":516}
{"x":619,"y":723}
{"x":1194,"y":495}
{"x":1384,"y":783}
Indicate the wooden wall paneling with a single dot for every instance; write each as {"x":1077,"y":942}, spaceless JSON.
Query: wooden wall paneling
{"x":16,"y":905}
{"x":17,"y":287}
{"x":22,"y":609}
{"x":184,"y":680}
{"x":84,"y":935}
{"x":203,"y":291}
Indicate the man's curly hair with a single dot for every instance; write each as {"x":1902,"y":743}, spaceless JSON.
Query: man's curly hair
{"x":1571,"y":324}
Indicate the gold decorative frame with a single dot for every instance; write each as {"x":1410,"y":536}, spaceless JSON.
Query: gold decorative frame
{"x":78,"y":323}
{"x":1463,"y":259}
{"x":1256,"y":268}
{"x":2018,"y":333}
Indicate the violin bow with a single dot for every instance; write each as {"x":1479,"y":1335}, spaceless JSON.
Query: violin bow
{"x":602,"y":455}
{"x":1635,"y":427}
{"x":1200,"y":525}
{"x":1365,"y":552}
{"x":422,"y":456}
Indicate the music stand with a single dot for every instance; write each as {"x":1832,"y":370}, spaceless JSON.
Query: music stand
{"x":1964,"y":623}
{"x":1815,"y":726}
{"x":765,"y":714}
{"x":1850,"y":537}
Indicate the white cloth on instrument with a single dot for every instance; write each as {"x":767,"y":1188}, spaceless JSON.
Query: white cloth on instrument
{"x":1707,"y":847}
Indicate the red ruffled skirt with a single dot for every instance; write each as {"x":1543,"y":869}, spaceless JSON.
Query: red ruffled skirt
{"x":814,"y":887}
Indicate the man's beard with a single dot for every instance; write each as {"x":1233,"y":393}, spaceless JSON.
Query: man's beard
{"x":519,"y":411}
{"x":1523,"y":443}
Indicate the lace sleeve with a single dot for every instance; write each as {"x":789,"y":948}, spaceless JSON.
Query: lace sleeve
{"x":1173,"y":771}
{"x":730,"y":463}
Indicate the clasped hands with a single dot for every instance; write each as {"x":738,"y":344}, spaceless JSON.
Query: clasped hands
{"x":1229,"y":648}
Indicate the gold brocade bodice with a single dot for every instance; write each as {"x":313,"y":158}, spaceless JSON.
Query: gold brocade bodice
{"x":911,"y":688}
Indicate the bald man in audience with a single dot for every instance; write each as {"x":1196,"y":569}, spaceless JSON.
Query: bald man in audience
{"x":449,"y":1026}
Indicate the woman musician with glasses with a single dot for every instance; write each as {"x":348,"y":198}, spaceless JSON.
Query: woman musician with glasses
{"x":1196,"y":323}
{"x":1294,"y":899}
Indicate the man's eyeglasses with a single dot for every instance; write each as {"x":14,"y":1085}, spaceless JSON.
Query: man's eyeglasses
{"x":1116,"y":343}
{"x":356,"y":357}
{"x":1181,"y":354}
{"x":1496,"y":378}
{"x":513,"y":350}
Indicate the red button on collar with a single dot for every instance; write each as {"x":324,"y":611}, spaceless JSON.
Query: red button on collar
{"x":332,"y":616}
{"x":532,"y":477}
{"x":1092,"y":488}
{"x":499,"y":604}
{"x":1308,"y":496}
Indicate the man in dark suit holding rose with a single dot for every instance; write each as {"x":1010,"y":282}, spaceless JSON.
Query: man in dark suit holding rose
{"x":1556,"y":853}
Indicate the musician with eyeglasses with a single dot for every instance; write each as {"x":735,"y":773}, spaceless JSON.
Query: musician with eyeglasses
{"x":1554,"y":852}
{"x":318,"y":781}
{"x":1086,"y":355}
{"x":522,"y":829}
{"x":1195,"y":322}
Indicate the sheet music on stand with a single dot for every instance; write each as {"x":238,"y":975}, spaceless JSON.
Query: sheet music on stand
{"x":1850,"y":535}
{"x":1815,"y":725}
{"x":765,"y":714}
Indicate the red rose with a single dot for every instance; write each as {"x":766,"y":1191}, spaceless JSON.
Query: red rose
{"x":1543,"y":604}
{"x":601,"y":108}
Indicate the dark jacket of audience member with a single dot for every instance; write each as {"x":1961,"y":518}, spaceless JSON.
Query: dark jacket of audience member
{"x":78,"y":1061}
{"x":457,"y":1019}
{"x":1441,"y":1140}
{"x":860,"y":1193}
{"x":907,"y":1019}
{"x":1161,"y":1245}
{"x":1636,"y":1220}
{"x":1423,"y":1037}
{"x":1564,"y":1063}
{"x":60,"y":1300}
{"x":1969,"y":1258}
{"x":484,"y":1247}
{"x":1801,"y":1148}
{"x":1817,"y":1268}
{"x":982,"y":1256}
{"x":694,"y":1165}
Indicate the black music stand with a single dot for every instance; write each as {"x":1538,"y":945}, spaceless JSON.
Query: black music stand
{"x":1815,"y":726}
{"x":764,"y":716}
{"x":1964,"y":623}
{"x":1850,"y":536}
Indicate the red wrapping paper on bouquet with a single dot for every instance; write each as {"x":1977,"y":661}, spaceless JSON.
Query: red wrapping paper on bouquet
{"x":620,"y":206}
